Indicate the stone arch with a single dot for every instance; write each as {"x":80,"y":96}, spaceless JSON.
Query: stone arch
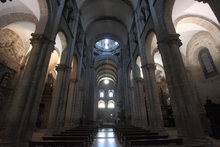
{"x":204,"y":23}
{"x":150,"y":46}
{"x":16,"y":17}
{"x":61,"y":45}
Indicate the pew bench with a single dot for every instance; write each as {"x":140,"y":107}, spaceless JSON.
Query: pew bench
{"x":84,"y":138}
{"x":60,"y":143}
{"x":146,"y":142}
{"x":140,"y":137}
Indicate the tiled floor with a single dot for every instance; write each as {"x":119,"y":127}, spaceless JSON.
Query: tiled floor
{"x":106,"y":138}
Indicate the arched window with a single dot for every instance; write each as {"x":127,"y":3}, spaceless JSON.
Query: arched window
{"x":101,"y":104}
{"x":101,"y":93}
{"x":110,"y":93}
{"x":207,"y":63}
{"x":138,"y":62}
{"x":111,"y":104}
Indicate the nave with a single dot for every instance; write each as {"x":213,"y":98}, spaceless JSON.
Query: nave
{"x":70,"y":67}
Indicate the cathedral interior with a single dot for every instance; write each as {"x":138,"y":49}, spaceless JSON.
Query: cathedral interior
{"x":109,"y":73}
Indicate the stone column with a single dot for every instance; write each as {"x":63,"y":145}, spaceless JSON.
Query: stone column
{"x":23,"y":113}
{"x":133,"y":106}
{"x":153,"y":101}
{"x":128,"y":102}
{"x":75,"y":111}
{"x":214,"y":4}
{"x":69,"y":107}
{"x":142,"y":103}
{"x":182,"y":99}
{"x":58,"y":105}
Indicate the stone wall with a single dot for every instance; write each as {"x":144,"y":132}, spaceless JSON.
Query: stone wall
{"x":205,"y":87}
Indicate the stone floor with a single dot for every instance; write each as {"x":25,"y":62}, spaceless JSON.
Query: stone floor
{"x":106,"y":138}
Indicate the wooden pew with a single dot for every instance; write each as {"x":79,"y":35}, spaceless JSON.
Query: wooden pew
{"x":60,"y":143}
{"x":145,"y":142}
{"x":121,"y":138}
{"x":58,"y":138}
{"x":140,"y":137}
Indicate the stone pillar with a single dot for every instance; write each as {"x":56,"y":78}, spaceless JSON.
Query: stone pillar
{"x":69,"y":107}
{"x":214,"y":4}
{"x":182,"y":100}
{"x":58,"y":105}
{"x":153,"y":101}
{"x":133,"y":106}
{"x":23,"y":114}
{"x":141,"y":103}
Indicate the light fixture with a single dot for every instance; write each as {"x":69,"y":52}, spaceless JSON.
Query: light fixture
{"x":106,"y":81}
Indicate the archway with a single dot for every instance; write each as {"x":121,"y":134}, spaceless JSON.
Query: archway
{"x":140,"y":71}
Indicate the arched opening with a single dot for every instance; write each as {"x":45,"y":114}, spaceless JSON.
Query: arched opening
{"x":101,"y":104}
{"x":111,"y":104}
{"x":140,"y":71}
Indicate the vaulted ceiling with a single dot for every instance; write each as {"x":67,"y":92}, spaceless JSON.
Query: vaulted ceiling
{"x":107,"y":17}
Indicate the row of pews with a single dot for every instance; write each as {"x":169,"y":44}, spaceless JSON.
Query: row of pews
{"x":81,"y":136}
{"x":130,"y":136}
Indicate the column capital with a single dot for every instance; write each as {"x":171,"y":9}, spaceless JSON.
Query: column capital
{"x":62,"y":67}
{"x":39,"y":38}
{"x":149,"y":66}
{"x":170,"y":39}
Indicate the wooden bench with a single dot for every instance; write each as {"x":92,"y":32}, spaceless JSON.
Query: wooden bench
{"x":84,"y":138}
{"x":121,"y":138}
{"x":51,"y":143}
{"x":140,"y":137}
{"x":75,"y":135}
{"x":145,"y":142}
